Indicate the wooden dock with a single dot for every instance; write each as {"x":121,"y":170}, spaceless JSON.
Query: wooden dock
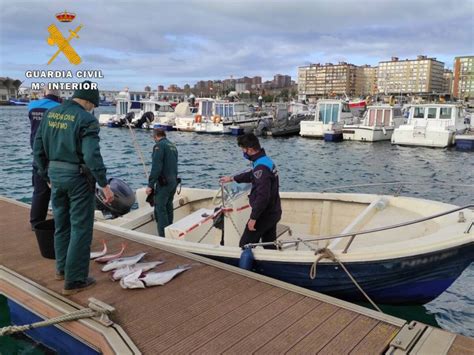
{"x":211,"y":308}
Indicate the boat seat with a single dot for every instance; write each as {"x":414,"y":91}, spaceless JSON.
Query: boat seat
{"x":190,"y":227}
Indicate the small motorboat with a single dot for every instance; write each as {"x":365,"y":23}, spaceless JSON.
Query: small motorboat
{"x":400,"y":250}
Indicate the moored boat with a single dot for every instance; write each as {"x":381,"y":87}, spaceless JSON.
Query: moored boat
{"x":378,"y":124}
{"x":465,"y":141}
{"x":398,"y":249}
{"x":226,"y":115}
{"x":431,"y":125}
{"x":330,"y":115}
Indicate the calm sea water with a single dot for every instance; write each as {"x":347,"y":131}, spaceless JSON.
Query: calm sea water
{"x":304,"y":165}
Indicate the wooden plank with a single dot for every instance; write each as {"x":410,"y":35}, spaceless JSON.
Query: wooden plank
{"x":163,"y":341}
{"x":274,"y":327}
{"x":299,"y":330}
{"x":179,"y":314}
{"x":462,"y":345}
{"x":350,"y":336}
{"x":377,"y":340}
{"x":323,"y":334}
{"x":220,"y":325}
{"x":251,"y":324}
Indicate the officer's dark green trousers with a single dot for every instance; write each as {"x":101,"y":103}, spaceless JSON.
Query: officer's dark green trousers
{"x":164,"y":206}
{"x":73,"y":208}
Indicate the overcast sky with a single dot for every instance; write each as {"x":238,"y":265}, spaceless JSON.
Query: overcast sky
{"x":138,"y":43}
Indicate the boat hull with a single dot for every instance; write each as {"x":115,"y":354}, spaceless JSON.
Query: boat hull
{"x":412,"y":137}
{"x":409,"y":280}
{"x":367,"y":134}
{"x":333,"y":136}
{"x":465,"y":142}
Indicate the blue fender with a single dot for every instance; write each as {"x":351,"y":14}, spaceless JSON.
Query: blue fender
{"x":246,"y":259}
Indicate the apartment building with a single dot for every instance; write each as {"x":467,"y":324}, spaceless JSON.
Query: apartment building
{"x":448,"y":82}
{"x":463,"y":77}
{"x":422,"y":75}
{"x":366,"y":81}
{"x":317,"y":80}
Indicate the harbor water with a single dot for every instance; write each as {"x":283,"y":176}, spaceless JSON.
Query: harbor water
{"x":444,"y":175}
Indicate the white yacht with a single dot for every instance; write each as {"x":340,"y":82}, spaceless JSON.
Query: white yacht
{"x":126,"y":103}
{"x":188,"y":119}
{"x":185,"y":116}
{"x":330,"y":116}
{"x":431,"y":125}
{"x":159,"y":114}
{"x":378,"y":124}
{"x":227,"y":118}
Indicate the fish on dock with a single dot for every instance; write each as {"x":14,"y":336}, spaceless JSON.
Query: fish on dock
{"x":118,"y":274}
{"x":122,"y":262}
{"x":98,"y":254}
{"x":138,"y":280}
{"x":107,"y":258}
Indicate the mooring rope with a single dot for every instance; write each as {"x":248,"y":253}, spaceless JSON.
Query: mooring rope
{"x":79,"y":314}
{"x":326,"y":253}
{"x":138,"y":150}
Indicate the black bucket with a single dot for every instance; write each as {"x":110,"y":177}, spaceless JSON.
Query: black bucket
{"x":45,"y":235}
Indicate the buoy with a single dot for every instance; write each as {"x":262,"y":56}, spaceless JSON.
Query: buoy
{"x":246,"y":259}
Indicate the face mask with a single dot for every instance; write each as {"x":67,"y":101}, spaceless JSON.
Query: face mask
{"x":246,"y":156}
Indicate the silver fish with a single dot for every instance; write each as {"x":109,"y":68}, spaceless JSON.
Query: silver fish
{"x":136,"y":280}
{"x":98,"y":254}
{"x":106,"y":258}
{"x":132,"y":281}
{"x":118,"y":263}
{"x":127,"y":270}
{"x":161,"y":278}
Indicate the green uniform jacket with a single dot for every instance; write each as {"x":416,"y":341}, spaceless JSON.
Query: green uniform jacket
{"x":164,"y":162}
{"x":69,"y":134}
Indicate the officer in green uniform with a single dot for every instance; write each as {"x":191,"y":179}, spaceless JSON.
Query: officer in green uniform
{"x":66,"y":151}
{"x":163,"y":179}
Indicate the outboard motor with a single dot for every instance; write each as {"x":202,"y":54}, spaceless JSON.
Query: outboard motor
{"x":124,"y":198}
{"x":127,"y":119}
{"x":147,"y":118}
{"x":192,"y":100}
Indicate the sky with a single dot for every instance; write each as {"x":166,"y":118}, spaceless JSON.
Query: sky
{"x":139,"y":43}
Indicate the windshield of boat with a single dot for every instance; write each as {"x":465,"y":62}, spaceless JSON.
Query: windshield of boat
{"x":234,"y":190}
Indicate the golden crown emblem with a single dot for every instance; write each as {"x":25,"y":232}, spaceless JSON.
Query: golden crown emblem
{"x":65,"y":16}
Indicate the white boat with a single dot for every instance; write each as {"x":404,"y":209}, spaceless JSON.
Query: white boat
{"x":399,"y":249}
{"x":184,"y":117}
{"x":126,"y":104}
{"x":431,"y":125}
{"x":227,"y":118}
{"x":378,"y":124}
{"x":189,"y":116}
{"x":158,"y":114}
{"x":330,"y":115}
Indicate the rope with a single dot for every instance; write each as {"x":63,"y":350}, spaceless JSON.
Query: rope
{"x":79,"y":314}
{"x":137,"y":148}
{"x":326,"y":253}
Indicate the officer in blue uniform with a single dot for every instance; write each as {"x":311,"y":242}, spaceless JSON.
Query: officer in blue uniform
{"x":41,"y":190}
{"x":264,"y":197}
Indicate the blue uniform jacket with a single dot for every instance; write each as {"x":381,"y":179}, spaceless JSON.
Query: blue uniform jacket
{"x":264,"y":197}
{"x":36,"y":110}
